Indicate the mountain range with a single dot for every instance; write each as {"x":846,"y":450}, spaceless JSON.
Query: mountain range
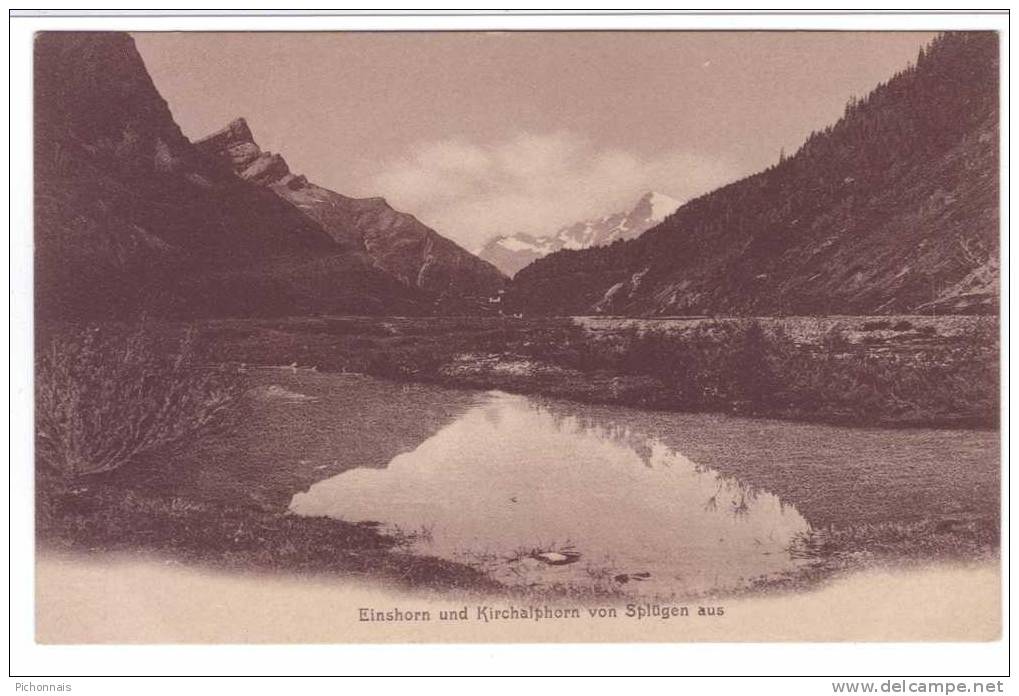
{"x":511,"y":253}
{"x":397,"y":243}
{"x":893,"y":209}
{"x":131,"y":217}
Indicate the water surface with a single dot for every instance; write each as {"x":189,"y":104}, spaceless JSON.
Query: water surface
{"x":646,"y":502}
{"x":512,"y":479}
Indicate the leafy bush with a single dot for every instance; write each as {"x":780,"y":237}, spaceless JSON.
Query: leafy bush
{"x":106,"y":397}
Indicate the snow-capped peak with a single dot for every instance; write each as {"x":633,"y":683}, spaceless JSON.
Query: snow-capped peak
{"x":512,"y":253}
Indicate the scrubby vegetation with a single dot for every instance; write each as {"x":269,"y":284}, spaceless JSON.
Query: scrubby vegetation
{"x":854,"y":371}
{"x":738,"y":366}
{"x":106,"y":396}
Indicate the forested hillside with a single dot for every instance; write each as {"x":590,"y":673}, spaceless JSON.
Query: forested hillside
{"x":893,"y":209}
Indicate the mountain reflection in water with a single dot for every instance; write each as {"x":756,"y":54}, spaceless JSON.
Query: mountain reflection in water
{"x":512,"y":478}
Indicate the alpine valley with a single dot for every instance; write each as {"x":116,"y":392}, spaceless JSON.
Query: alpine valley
{"x":261,"y":403}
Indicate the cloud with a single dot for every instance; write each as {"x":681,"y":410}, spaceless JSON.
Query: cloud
{"x":534,"y":183}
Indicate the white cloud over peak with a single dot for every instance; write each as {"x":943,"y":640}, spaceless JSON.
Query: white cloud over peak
{"x":534,"y":183}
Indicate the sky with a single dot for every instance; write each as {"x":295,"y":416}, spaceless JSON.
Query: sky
{"x":480,"y":134}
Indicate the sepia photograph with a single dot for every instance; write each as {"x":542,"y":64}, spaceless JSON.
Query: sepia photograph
{"x":516,"y":336}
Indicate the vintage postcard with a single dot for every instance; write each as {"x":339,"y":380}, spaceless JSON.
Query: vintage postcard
{"x":516,"y":336}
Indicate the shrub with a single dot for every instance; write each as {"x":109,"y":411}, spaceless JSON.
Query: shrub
{"x":106,"y":397}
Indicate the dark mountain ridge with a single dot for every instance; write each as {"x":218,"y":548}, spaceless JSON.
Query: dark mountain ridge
{"x":131,"y":218}
{"x":398,"y":243}
{"x":894,"y":209}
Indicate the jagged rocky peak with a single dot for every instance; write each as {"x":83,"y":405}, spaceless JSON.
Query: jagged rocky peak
{"x":235,"y":144}
{"x":234,"y":134}
{"x":397,"y":242}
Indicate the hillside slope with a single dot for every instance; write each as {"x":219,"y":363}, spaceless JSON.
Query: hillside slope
{"x":130,"y":218}
{"x":397,"y":243}
{"x":893,"y":209}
